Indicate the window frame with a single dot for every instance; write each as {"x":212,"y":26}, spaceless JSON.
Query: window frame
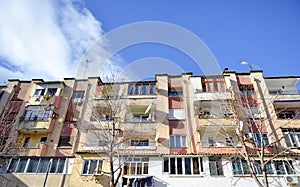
{"x":140,"y":166}
{"x":37,"y":113}
{"x":39,"y":169}
{"x":88,"y":163}
{"x":174,"y":141}
{"x":213,"y":84}
{"x":292,"y":138}
{"x":138,"y":88}
{"x":216,"y":162}
{"x":194,"y":168}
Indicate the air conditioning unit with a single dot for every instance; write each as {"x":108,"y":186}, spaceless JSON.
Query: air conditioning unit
{"x":291,"y":179}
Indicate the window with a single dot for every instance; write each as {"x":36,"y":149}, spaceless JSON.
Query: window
{"x":141,"y":89}
{"x":51,"y":91}
{"x":136,"y":166}
{"x":139,"y":142}
{"x":246,"y":89}
{"x":33,"y":165}
{"x":43,"y":91}
{"x":283,"y":167}
{"x":39,"y":92}
{"x":215,"y":166}
{"x":257,"y":140}
{"x":26,"y":142}
{"x":177,"y":141}
{"x":43,"y":140}
{"x":65,"y":141}
{"x":141,"y":118}
{"x":213,"y":84}
{"x":37,"y":113}
{"x":251,"y":112}
{"x":176,"y":114}
{"x":78,"y":96}
{"x":92,"y":167}
{"x":292,"y":137}
{"x":240,"y":167}
{"x":174,"y":94}
{"x":36,"y":165}
{"x":183,"y":165}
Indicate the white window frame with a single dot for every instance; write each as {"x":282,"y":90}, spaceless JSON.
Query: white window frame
{"x":135,"y":161}
{"x":293,"y":138}
{"x":88,"y":170}
{"x":24,"y":171}
{"x":174,"y":141}
{"x":183,"y":169}
{"x":176,"y":114}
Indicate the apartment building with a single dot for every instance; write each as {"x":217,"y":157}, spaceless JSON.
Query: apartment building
{"x":175,"y":130}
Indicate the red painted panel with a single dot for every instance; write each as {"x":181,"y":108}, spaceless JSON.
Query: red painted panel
{"x":177,"y":128}
{"x":175,"y":102}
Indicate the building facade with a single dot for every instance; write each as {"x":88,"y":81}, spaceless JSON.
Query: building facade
{"x":171,"y":131}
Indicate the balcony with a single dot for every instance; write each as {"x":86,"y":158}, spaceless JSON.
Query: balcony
{"x":40,"y":127}
{"x":39,"y":149}
{"x":212,"y":95}
{"x":45,"y":100}
{"x":140,"y":128}
{"x":285,"y":95}
{"x":151,"y":146}
{"x":218,"y":135}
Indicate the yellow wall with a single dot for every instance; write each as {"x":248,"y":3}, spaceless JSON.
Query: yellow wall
{"x":78,"y":179}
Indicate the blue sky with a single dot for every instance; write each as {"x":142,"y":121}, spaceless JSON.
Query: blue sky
{"x":48,"y":39}
{"x":264,"y":33}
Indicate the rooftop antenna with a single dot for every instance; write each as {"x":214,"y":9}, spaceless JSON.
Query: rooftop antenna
{"x":251,"y":66}
{"x":87,"y":61}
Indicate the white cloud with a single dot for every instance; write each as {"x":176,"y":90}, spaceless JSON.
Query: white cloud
{"x":44,"y":39}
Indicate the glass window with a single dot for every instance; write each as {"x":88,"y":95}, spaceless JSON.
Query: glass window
{"x":21,"y":165}
{"x":257,"y":140}
{"x":179,"y":165}
{"x":292,"y":137}
{"x":145,"y":89}
{"x":51,"y":91}
{"x":39,"y":92}
{"x":183,"y":165}
{"x":92,"y":167}
{"x":196,"y":165}
{"x":152,"y":89}
{"x":37,"y":113}
{"x":166,"y":165}
{"x":130,"y":89}
{"x":215,"y":166}
{"x":54,"y":165}
{"x":213,"y":84}
{"x":78,"y":96}
{"x":65,"y":141}
{"x":43,"y":140}
{"x":61,"y":165}
{"x":33,"y":165}
{"x":37,"y":165}
{"x":136,"y":166}
{"x":172,"y":165}
{"x":138,"y":89}
{"x":141,"y":89}
{"x":187,"y":166}
{"x":177,"y":141}
{"x":44,"y":164}
{"x":13,"y":165}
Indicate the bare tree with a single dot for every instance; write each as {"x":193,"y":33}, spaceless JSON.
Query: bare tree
{"x":259,"y":141}
{"x":107,"y":111}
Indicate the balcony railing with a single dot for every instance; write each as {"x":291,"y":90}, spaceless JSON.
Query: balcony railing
{"x":284,"y":92}
{"x":34,"y":126}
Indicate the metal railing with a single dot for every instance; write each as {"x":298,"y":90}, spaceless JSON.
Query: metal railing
{"x":284,"y":92}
